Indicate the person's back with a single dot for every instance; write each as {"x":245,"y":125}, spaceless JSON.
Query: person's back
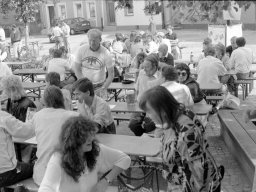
{"x":58,"y":65}
{"x":48,"y":123}
{"x":209,"y":69}
{"x":241,"y":59}
{"x":15,"y":35}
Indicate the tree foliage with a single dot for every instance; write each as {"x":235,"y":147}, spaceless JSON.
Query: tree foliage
{"x":25,"y":10}
{"x":191,"y":10}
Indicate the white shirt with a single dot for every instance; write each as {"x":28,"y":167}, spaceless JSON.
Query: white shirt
{"x":11,"y":127}
{"x":94,"y":63}
{"x":144,"y":83}
{"x":57,"y":180}
{"x":209,"y":69}
{"x":66,"y":30}
{"x":2,"y":34}
{"x":99,"y":112}
{"x":57,"y":32}
{"x":4,"y":70}
{"x":241,"y":60}
{"x":180,"y":92}
{"x":60,"y":66}
{"x":152,"y":47}
{"x":167,"y":42}
{"x":47,"y":125}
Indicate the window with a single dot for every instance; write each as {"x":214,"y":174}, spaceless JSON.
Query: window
{"x":62,"y":11}
{"x":129,"y":10}
{"x":92,"y":10}
{"x":78,"y":9}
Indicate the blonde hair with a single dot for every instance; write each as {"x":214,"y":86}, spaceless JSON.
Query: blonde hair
{"x":12,"y":83}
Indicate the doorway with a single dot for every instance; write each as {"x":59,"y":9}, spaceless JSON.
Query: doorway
{"x":51,"y":14}
{"x":111,"y":13}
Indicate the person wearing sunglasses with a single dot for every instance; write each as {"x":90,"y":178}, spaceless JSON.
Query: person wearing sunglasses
{"x":184,"y":78}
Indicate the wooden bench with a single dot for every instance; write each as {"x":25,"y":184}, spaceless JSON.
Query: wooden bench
{"x":121,"y":117}
{"x":31,"y":186}
{"x":214,"y":99}
{"x":240,"y":138}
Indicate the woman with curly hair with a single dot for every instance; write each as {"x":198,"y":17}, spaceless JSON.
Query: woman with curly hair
{"x":79,"y":160}
{"x":187,"y":163}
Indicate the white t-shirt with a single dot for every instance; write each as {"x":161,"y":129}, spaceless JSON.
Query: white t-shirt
{"x":57,"y":32}
{"x":4,"y":70}
{"x":94,"y":63}
{"x":57,"y":180}
{"x":60,"y":66}
{"x":209,"y":69}
{"x":47,"y":124}
{"x":180,"y":92}
{"x":241,"y":60}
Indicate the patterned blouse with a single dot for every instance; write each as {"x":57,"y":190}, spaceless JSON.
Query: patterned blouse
{"x":186,"y":161}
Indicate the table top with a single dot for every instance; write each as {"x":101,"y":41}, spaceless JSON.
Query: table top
{"x":211,"y":86}
{"x":122,"y":86}
{"x":17,"y":62}
{"x":31,"y":85}
{"x":119,"y":107}
{"x":131,"y":145}
{"x":29,"y":71}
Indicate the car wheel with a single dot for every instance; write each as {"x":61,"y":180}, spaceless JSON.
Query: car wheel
{"x":86,"y":30}
{"x":72,"y":31}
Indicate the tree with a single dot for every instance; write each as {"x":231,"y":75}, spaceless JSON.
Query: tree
{"x":25,"y":11}
{"x":191,"y":10}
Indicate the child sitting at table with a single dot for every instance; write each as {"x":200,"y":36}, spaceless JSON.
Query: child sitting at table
{"x":93,"y":107}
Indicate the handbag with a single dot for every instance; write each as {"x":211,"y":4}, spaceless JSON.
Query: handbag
{"x":142,"y":182}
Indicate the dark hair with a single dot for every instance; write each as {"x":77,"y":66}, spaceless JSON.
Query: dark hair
{"x":119,"y":36}
{"x":53,"y":97}
{"x":169,"y":73}
{"x":57,"y":53}
{"x":63,"y":49}
{"x":137,"y":39}
{"x":153,"y":59}
{"x":84,"y":85}
{"x":75,"y":132}
{"x":53,"y":78}
{"x":163,"y":103}
{"x":240,"y":41}
{"x":141,"y":55}
{"x":183,"y":67}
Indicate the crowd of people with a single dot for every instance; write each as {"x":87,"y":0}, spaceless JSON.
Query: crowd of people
{"x":68,"y":155}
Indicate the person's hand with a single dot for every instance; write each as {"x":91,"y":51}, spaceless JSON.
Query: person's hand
{"x":101,"y":186}
{"x":246,"y":116}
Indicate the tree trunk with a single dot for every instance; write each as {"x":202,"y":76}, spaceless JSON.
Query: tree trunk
{"x":26,"y":34}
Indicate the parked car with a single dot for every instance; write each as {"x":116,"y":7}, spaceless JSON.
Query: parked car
{"x":78,"y":25}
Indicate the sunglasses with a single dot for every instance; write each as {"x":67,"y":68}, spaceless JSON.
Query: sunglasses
{"x":182,"y":74}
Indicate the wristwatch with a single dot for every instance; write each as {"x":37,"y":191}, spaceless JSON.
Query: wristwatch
{"x":108,"y":181}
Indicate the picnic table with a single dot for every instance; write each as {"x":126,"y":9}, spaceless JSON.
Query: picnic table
{"x":34,"y":88}
{"x":29,"y":74}
{"x":123,"y":107}
{"x":211,"y":88}
{"x":118,"y":87}
{"x":131,"y":145}
{"x":17,"y":64}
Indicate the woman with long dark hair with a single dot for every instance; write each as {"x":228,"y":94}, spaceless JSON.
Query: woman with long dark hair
{"x":189,"y":167}
{"x":77,"y":163}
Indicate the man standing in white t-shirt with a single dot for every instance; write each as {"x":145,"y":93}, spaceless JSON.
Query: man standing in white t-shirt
{"x":93,"y":61}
